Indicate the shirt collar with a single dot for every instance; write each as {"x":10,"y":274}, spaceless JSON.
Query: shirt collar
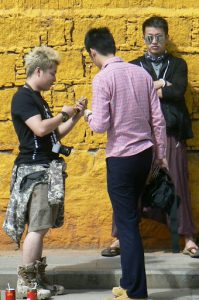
{"x":110,"y":61}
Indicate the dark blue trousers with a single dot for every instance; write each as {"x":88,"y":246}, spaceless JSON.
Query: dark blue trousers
{"x":126,"y":177}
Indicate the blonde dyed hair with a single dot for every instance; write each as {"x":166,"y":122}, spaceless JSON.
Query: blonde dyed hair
{"x":42,"y":57}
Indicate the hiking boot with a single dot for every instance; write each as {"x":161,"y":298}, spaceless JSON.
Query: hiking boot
{"x":27,"y":280}
{"x":55,"y":289}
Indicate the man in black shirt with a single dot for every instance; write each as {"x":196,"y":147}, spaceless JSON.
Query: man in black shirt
{"x":37,"y":187}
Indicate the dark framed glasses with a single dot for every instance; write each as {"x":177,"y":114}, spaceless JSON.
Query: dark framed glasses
{"x":159,"y":39}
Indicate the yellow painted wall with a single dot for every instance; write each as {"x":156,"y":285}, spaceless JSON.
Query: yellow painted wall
{"x":62,"y":24}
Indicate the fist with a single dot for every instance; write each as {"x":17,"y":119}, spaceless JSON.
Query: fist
{"x":81,"y":105}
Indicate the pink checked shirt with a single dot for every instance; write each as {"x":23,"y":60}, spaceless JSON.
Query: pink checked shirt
{"x":126,"y":105}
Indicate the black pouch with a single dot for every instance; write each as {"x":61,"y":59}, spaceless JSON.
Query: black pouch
{"x":160,"y":191}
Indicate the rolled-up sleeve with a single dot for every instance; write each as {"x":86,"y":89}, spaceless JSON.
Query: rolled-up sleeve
{"x":158,"y":125}
{"x":99,"y":121}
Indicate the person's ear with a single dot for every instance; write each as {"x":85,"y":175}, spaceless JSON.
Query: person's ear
{"x":167,"y":38}
{"x":92,"y":53}
{"x":143,"y":37}
{"x":38,"y":71}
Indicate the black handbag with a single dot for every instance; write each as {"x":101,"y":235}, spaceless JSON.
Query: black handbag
{"x":160,"y":192}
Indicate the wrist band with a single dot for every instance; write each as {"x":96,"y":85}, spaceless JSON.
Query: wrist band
{"x":65,"y":116}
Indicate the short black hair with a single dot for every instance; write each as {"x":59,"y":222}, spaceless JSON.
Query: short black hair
{"x":157,"y":22}
{"x":100,"y":39}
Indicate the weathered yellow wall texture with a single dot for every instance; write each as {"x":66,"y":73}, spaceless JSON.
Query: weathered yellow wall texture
{"x":62,"y":24}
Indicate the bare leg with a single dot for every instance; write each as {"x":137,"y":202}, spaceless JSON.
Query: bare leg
{"x":33,"y":246}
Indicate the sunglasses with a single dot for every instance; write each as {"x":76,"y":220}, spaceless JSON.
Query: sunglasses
{"x":159,"y":39}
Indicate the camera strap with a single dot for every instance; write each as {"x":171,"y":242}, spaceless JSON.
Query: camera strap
{"x":53,"y":135}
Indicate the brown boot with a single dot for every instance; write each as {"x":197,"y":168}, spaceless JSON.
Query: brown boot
{"x":27,"y":280}
{"x":55,"y":289}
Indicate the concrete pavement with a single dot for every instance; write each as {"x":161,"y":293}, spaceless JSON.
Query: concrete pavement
{"x":154,"y":294}
{"x":87,"y":275}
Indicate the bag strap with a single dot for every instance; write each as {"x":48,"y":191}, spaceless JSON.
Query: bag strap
{"x":41,"y":106}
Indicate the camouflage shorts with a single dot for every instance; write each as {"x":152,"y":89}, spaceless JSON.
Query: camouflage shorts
{"x":24,"y":179}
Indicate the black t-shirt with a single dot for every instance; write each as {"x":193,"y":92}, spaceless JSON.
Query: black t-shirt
{"x":27,"y":103}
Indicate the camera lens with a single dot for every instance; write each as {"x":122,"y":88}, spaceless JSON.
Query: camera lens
{"x":65,"y":150}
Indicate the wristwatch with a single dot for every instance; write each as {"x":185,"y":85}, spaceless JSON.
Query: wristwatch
{"x":65,"y":116}
{"x":163,"y":82}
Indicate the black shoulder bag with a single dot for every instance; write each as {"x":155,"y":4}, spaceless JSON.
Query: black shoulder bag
{"x":160,"y":192}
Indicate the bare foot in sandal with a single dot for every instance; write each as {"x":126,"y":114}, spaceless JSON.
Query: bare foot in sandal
{"x":191,"y":248}
{"x":113,"y":250}
{"x":116,"y":244}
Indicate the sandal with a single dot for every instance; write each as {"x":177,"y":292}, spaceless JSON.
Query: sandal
{"x":111,"y":251}
{"x":189,"y":251}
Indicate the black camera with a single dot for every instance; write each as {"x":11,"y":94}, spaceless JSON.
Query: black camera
{"x":61,"y":149}
{"x":64,"y":150}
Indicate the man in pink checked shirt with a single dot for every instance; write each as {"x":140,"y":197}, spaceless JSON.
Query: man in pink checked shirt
{"x":126,"y":106}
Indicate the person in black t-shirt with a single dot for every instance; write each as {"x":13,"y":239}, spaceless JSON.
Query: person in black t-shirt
{"x":37,"y":189}
{"x":33,"y":148}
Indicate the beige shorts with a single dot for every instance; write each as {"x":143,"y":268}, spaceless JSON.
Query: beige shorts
{"x":40,"y":214}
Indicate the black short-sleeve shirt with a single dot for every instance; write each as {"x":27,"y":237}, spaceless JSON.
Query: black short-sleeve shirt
{"x":27,"y":103}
